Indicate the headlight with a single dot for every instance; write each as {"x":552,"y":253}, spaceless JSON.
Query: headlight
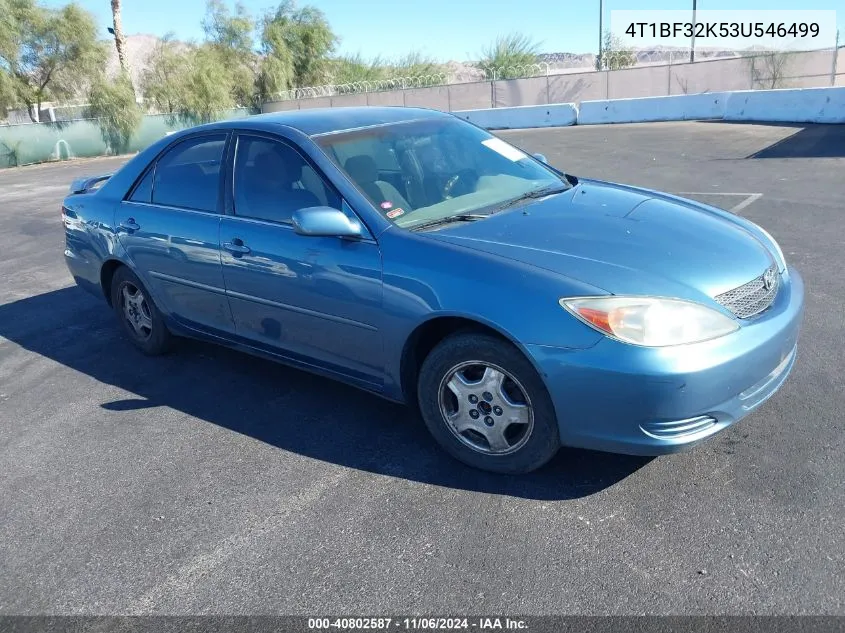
{"x":651,"y":321}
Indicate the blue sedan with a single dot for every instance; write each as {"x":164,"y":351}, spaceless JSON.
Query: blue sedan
{"x":414,"y":255}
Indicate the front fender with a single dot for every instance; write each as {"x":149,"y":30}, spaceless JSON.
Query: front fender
{"x":426,"y":279}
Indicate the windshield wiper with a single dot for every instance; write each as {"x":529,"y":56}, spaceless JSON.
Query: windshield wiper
{"x":461,"y":217}
{"x":531,"y":195}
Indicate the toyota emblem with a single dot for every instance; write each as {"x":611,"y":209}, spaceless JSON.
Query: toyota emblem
{"x":769,"y":279}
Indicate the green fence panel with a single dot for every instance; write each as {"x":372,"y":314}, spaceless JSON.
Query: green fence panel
{"x":42,"y":142}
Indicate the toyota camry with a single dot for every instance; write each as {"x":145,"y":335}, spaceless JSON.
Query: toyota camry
{"x":419,"y":257}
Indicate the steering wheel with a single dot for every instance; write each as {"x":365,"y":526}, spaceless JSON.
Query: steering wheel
{"x":459,"y":184}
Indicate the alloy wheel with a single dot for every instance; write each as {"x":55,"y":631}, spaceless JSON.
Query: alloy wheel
{"x":136,"y":311}
{"x":486,"y":408}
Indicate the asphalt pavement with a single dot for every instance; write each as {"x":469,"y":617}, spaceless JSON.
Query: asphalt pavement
{"x":212,"y":482}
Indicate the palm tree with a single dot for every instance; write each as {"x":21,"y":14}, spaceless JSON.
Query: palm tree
{"x":119,"y":38}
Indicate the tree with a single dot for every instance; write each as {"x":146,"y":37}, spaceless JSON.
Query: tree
{"x":349,"y":69}
{"x":163,"y":79}
{"x":351,"y":72}
{"x":191,"y":84}
{"x":207,"y":89}
{"x":231,"y":38}
{"x":768,"y":71}
{"x":614,"y":55}
{"x":296,"y":44}
{"x":114,"y":106}
{"x":119,"y":38}
{"x":275,"y":75}
{"x":232,"y":33}
{"x":421,"y":69}
{"x":47,"y":53}
{"x":8,"y":93}
{"x":510,"y":56}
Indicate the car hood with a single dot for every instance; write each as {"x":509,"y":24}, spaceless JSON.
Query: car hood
{"x":623,"y":240}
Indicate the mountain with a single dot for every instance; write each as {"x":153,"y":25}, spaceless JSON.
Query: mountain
{"x":140,"y":47}
{"x":138,"y":50}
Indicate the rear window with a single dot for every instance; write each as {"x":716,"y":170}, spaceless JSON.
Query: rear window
{"x":188,"y":176}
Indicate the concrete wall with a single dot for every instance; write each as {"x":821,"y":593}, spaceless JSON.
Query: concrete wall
{"x":814,"y":105}
{"x":550,"y":115}
{"x":436,"y":97}
{"x":638,"y":82}
{"x":521,"y":92}
{"x":577,"y":87}
{"x":728,"y":74}
{"x":797,"y":70}
{"x":471,"y":96}
{"x":672,"y":108}
{"x":340,"y":101}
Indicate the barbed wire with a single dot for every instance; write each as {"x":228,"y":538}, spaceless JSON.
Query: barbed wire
{"x":469,"y":73}
{"x":367,"y":85}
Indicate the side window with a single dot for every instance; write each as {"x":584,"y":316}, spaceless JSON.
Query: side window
{"x":272,"y":180}
{"x":143,"y":191}
{"x":188,"y":176}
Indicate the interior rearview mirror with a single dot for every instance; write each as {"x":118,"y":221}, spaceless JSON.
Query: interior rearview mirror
{"x":541,"y":158}
{"x":325,"y":222}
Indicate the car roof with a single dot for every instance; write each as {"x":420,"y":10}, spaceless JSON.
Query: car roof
{"x":317,"y":121}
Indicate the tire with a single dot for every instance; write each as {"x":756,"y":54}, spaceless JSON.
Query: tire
{"x":514,"y":429}
{"x":149,"y":333}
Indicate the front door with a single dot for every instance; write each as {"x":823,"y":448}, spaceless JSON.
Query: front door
{"x":316,"y":300}
{"x":170,"y":229}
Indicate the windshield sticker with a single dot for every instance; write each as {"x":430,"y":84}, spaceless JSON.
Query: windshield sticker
{"x":508,"y":151}
{"x":386,"y":204}
{"x":395,"y":213}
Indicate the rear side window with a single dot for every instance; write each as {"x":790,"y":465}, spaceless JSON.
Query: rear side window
{"x":143,"y":191}
{"x":188,"y":176}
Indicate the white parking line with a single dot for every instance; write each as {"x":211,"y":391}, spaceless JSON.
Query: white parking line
{"x":749,"y":198}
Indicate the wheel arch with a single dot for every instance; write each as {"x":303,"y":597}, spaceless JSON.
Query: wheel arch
{"x":428,"y":334}
{"x":107,"y":271}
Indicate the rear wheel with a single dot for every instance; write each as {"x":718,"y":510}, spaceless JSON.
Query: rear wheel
{"x":138,"y":315}
{"x":486,"y":405}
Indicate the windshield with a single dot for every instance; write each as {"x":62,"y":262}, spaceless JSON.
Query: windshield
{"x":419,"y":172}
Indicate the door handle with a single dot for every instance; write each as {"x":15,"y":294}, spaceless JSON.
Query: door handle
{"x":129,"y":225}
{"x":236,"y":247}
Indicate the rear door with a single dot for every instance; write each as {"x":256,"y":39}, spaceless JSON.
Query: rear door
{"x":169,"y":226}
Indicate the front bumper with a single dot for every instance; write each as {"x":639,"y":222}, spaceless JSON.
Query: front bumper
{"x":652,"y":401}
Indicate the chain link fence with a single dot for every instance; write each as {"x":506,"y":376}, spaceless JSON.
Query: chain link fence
{"x":575,"y":79}
{"x":549,"y":64}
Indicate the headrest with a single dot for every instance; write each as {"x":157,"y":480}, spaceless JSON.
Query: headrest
{"x":280,"y":165}
{"x":361,"y":168}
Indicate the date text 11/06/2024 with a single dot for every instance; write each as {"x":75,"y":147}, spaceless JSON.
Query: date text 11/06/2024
{"x":418,"y":624}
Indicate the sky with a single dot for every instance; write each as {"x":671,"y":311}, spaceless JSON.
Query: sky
{"x":443,"y":29}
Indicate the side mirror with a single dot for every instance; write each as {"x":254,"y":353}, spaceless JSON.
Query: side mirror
{"x":541,"y":158}
{"x":324,"y":222}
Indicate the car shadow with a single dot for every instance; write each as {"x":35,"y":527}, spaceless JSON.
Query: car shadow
{"x":290,"y":409}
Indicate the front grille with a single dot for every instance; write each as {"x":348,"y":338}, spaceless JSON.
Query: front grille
{"x":752,"y":298}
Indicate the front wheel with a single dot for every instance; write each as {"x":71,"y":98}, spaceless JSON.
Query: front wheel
{"x":484,"y":402}
{"x":137,"y":313}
